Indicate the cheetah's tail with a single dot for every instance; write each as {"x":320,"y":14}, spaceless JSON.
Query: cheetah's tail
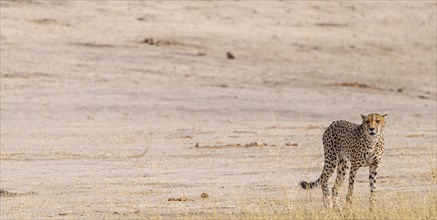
{"x":309,"y":185}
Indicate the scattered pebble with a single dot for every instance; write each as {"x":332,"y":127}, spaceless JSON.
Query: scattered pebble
{"x":179,"y":199}
{"x":255,"y":144}
{"x":353,"y":84}
{"x":250,"y":144}
{"x":204,"y":195}
{"x":4,"y":193}
{"x":149,"y":41}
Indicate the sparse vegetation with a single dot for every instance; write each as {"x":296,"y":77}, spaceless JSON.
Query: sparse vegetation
{"x":395,"y":206}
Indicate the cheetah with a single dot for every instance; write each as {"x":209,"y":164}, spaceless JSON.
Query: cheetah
{"x":349,"y":145}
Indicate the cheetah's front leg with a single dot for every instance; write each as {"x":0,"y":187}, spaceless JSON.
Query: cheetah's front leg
{"x":372,"y":181}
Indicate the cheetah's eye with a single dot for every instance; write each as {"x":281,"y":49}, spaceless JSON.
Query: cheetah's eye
{"x":377,"y":121}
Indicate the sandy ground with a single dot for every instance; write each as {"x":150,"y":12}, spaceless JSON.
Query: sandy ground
{"x":103,"y":103}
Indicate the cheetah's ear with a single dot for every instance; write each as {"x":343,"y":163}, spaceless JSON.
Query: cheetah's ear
{"x":363,"y":117}
{"x":384,"y":115}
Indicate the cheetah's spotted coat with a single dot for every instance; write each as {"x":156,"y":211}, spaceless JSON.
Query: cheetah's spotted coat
{"x":348,"y":145}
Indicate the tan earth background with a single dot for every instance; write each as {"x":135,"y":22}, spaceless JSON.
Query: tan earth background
{"x":131,"y":109}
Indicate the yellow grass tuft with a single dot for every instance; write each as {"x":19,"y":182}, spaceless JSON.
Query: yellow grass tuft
{"x":411,"y":205}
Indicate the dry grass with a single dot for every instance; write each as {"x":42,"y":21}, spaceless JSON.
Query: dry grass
{"x":390,"y":206}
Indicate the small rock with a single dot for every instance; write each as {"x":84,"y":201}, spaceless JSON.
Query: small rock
{"x":4,"y":193}
{"x":204,"y":195}
{"x":149,"y":41}
{"x":230,"y":56}
{"x":180,"y":199}
{"x":292,"y":144}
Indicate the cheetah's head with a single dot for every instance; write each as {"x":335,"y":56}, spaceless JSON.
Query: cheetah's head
{"x":374,"y":123}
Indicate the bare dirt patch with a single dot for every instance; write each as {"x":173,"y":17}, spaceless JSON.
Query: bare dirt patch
{"x":79,"y":103}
